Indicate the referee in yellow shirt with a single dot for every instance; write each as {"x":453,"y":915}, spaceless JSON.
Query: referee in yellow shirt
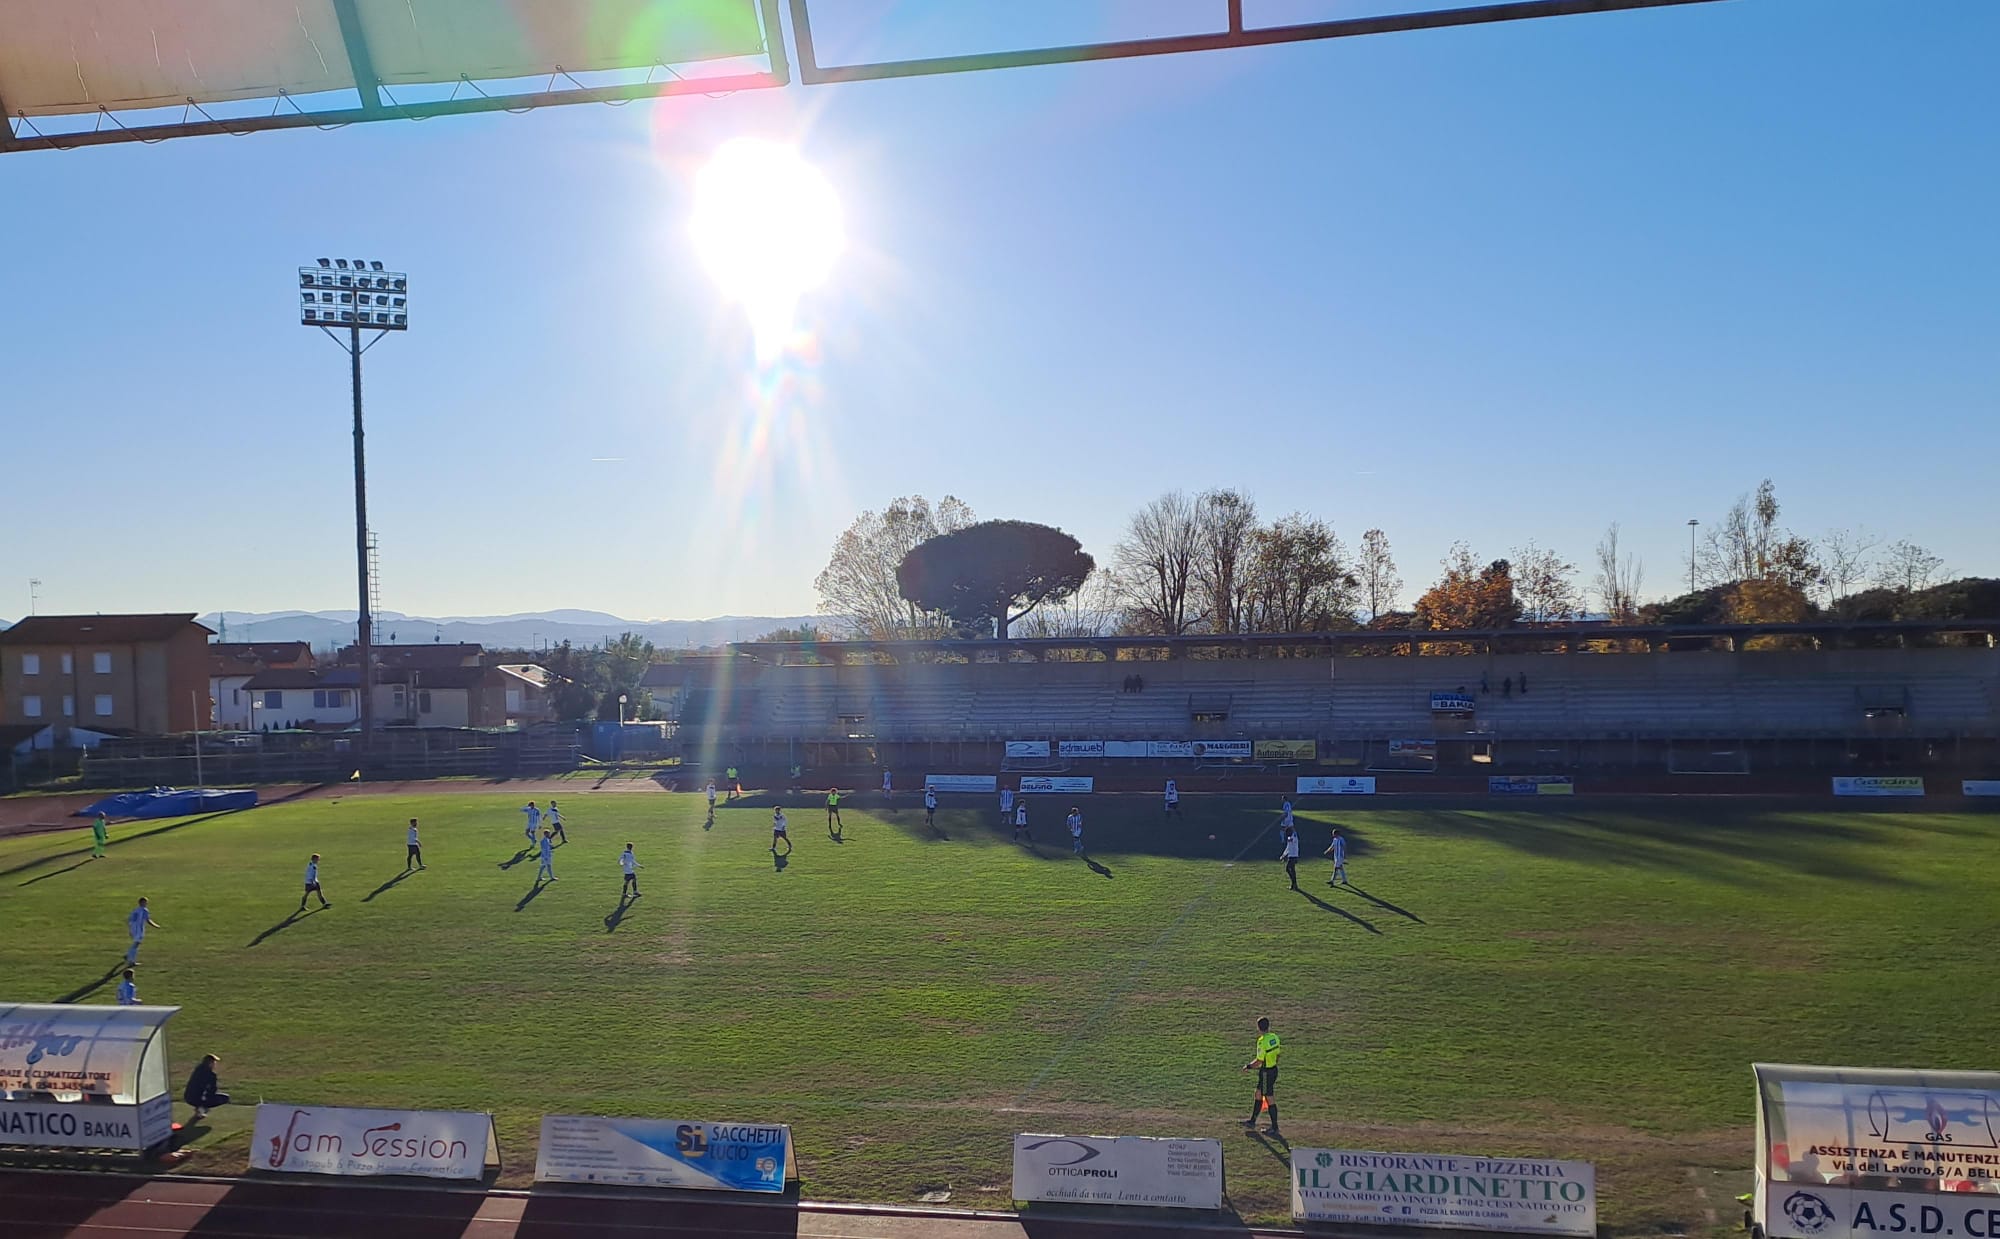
{"x":1266,"y":1063}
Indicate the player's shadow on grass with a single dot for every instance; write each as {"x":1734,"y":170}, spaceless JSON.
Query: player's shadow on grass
{"x":1386,"y":906}
{"x":779,"y":860}
{"x":533,"y":891}
{"x":617,"y":917}
{"x":1277,"y":1146}
{"x":386,"y":885}
{"x":519,"y":856}
{"x":291,"y":919}
{"x":1096,"y":868}
{"x":1343,"y":912}
{"x":90,"y":987}
{"x":56,"y":873}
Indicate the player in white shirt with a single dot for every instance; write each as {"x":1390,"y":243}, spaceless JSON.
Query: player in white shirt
{"x":1006,"y":803}
{"x":1173,"y":799}
{"x":534,"y":831}
{"x":128,"y":993}
{"x":1076,"y":830}
{"x":547,"y":844}
{"x":630,"y":864}
{"x":1021,"y":821}
{"x":1338,"y":850}
{"x":137,"y":923}
{"x":778,"y":831}
{"x":312,"y":884}
{"x":888,"y":786}
{"x":930,"y":807}
{"x":1285,"y":813}
{"x":711,"y":797}
{"x":555,"y":822}
{"x":413,"y":851}
{"x":1290,"y":855}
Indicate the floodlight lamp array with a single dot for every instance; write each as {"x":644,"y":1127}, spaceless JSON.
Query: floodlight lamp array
{"x":341,"y":292}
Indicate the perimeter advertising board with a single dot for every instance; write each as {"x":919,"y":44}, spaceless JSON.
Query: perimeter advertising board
{"x":1027,"y":748}
{"x":84,"y":1077}
{"x":963,"y":782}
{"x":1080,"y":748}
{"x":1069,"y":783}
{"x":1170,"y":748}
{"x":1847,"y":1153}
{"x":1336,"y":785}
{"x":1524,"y":1194}
{"x":1980,"y":787}
{"x":1452,"y":703}
{"x":1879,"y":785}
{"x":729,"y":1157}
{"x":1530,"y":785}
{"x":430,"y":1144}
{"x":1222,"y":748}
{"x":1119,"y":1170}
{"x":1286,"y":750}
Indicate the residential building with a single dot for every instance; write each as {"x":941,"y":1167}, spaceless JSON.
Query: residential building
{"x":529,"y":693}
{"x":289,"y":697}
{"x":145,"y":674}
{"x":230,"y":668}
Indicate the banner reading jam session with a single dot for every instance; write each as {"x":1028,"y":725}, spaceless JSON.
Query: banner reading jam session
{"x":432,"y":1144}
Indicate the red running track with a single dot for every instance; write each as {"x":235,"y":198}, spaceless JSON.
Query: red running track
{"x":49,"y":1205}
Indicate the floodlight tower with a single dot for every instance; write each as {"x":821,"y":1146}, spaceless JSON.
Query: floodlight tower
{"x":356,"y":296}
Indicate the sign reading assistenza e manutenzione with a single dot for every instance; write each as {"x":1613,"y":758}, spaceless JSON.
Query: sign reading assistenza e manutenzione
{"x":1443,"y":1191}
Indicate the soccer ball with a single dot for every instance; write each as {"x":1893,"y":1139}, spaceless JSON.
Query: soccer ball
{"x":1808,"y":1212}
{"x":1211,"y":838}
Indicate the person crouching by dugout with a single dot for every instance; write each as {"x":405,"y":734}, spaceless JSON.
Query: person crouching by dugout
{"x":204,"y":1090}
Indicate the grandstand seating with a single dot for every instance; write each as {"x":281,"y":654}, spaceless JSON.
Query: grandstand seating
{"x":1772,"y":694}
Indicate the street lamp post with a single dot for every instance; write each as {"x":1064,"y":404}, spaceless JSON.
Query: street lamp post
{"x":357,"y":296}
{"x":621,"y":709}
{"x":1691,"y":525}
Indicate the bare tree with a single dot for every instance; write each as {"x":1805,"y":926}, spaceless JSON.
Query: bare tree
{"x":1156,"y":566}
{"x":1847,"y":555}
{"x":858,"y":587}
{"x":1619,"y":577}
{"x":1301,"y":580}
{"x":1747,"y":545}
{"x":1908,"y":567}
{"x":1545,"y":584}
{"x":1227,"y":520}
{"x":1089,"y":612}
{"x":1380,"y":586}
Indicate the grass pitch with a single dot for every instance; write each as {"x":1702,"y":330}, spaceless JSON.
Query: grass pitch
{"x":1575,"y":981}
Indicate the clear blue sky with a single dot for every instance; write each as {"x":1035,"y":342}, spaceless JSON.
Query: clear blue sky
{"x":1496,"y":284}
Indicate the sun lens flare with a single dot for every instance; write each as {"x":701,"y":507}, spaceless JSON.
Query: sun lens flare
{"x":768,"y":227}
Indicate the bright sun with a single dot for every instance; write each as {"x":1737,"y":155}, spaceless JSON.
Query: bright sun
{"x":768,"y":227}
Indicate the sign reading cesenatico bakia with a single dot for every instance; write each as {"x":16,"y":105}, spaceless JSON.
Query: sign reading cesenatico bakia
{"x":1119,"y":1170}
{"x":732,"y":1157}
{"x":82,"y":1125}
{"x":1524,"y":1194}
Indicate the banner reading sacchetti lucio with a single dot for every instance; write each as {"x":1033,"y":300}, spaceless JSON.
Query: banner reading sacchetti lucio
{"x":681,"y":1153}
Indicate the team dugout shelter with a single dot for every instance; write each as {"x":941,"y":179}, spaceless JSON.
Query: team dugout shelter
{"x":84,"y":1077}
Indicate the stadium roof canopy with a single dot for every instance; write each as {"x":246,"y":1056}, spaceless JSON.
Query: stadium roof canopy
{"x":1570,"y":637}
{"x":142,"y":70}
{"x":325,"y":62}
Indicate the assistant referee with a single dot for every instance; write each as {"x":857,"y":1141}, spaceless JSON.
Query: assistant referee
{"x":1266,"y":1063}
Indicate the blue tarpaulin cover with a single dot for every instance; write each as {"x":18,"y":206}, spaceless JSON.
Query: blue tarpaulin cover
{"x":171,"y":802}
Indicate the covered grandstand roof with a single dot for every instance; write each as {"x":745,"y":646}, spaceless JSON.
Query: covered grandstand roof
{"x":1566,"y":636}
{"x":67,"y":56}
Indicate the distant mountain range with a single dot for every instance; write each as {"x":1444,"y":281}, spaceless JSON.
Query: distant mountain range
{"x":527,"y":631}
